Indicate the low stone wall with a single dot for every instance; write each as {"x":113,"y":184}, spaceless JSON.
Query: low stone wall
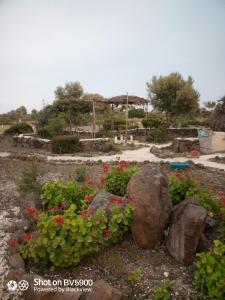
{"x":185,"y":145}
{"x":32,"y":142}
{"x":140,"y":133}
{"x":88,"y":145}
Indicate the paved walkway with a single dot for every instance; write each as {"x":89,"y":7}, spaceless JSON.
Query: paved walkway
{"x":139,"y":155}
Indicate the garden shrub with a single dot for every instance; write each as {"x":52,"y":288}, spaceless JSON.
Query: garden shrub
{"x":117,"y":124}
{"x":208,"y":200}
{"x":58,"y":193}
{"x":18,"y":129}
{"x":43,"y":133}
{"x":110,"y":146}
{"x":181,"y":186}
{"x":64,"y":240}
{"x":163,"y":292}
{"x":136,"y":113}
{"x":210,"y":273}
{"x":158,"y":135}
{"x":28,"y":182}
{"x":81,"y":172}
{"x":65,"y":144}
{"x":117,"y":179}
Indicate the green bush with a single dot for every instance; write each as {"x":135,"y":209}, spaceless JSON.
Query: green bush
{"x":18,"y":129}
{"x":58,"y":193}
{"x":210,"y":273}
{"x":118,"y":124}
{"x":65,"y":144}
{"x":110,"y":146}
{"x":117,"y":179}
{"x":43,"y":133}
{"x":28,"y":182}
{"x":208,"y":200}
{"x":181,"y":186}
{"x":81,"y":172}
{"x":158,"y":135}
{"x":64,"y":240}
{"x":163,"y":292}
{"x":136,"y":113}
{"x":154,"y":120}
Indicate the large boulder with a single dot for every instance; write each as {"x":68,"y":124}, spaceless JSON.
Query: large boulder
{"x":102,"y":291}
{"x":149,"y":190}
{"x":106,"y":201}
{"x":187,"y":226}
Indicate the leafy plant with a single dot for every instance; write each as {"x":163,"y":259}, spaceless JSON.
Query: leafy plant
{"x":210,"y":273}
{"x":117,"y":179}
{"x":65,"y":144}
{"x":108,"y":147}
{"x":81,"y":172}
{"x":18,"y":129}
{"x":135,"y":276}
{"x":58,"y":193}
{"x":28,"y":182}
{"x":208,"y":200}
{"x":158,"y":135}
{"x":163,"y":292}
{"x":181,"y":186}
{"x":64,"y":240}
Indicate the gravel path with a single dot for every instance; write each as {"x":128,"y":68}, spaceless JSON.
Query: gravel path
{"x":139,"y":155}
{"x":9,"y":217}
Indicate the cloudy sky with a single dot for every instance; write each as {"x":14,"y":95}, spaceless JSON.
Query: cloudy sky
{"x":111,"y":47}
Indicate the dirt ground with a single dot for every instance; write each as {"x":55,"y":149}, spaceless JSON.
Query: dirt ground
{"x":115,"y":263}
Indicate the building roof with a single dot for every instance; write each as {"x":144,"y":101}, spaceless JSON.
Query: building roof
{"x":122,"y":99}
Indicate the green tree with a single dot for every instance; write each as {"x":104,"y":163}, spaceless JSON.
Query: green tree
{"x":173,"y":95}
{"x":70,"y":102}
{"x":21,"y":111}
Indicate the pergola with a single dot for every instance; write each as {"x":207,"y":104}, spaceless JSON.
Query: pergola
{"x":121,"y":100}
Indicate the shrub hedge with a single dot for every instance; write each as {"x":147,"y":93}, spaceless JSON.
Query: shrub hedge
{"x":65,"y":144}
{"x":18,"y":129}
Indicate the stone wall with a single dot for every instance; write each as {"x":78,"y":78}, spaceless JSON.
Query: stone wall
{"x":140,"y":133}
{"x":88,"y":145}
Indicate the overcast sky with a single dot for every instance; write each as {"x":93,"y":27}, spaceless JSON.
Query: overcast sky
{"x":111,"y":47}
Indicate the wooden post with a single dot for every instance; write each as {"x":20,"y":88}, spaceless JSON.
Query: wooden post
{"x":126,"y":120}
{"x":93,"y":128}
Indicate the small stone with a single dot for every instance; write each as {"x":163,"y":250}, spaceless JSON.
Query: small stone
{"x":166,"y":274}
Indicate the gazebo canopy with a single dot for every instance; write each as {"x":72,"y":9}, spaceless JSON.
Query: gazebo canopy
{"x":122,"y":99}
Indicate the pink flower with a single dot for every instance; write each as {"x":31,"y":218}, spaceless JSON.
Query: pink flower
{"x":106,"y":168}
{"x":117,"y":200}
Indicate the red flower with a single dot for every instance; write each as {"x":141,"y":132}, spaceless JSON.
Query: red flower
{"x":53,"y":208}
{"x":31,"y":212}
{"x":27,"y":236}
{"x":84,"y":189}
{"x":85,"y":213}
{"x":106,"y":233}
{"x":187,"y":172}
{"x":117,"y":200}
{"x":89,"y":181}
{"x":13,"y":243}
{"x":106,"y":168}
{"x":59,"y":220}
{"x":88,"y":198}
{"x":179,"y":176}
{"x":220,"y":194}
